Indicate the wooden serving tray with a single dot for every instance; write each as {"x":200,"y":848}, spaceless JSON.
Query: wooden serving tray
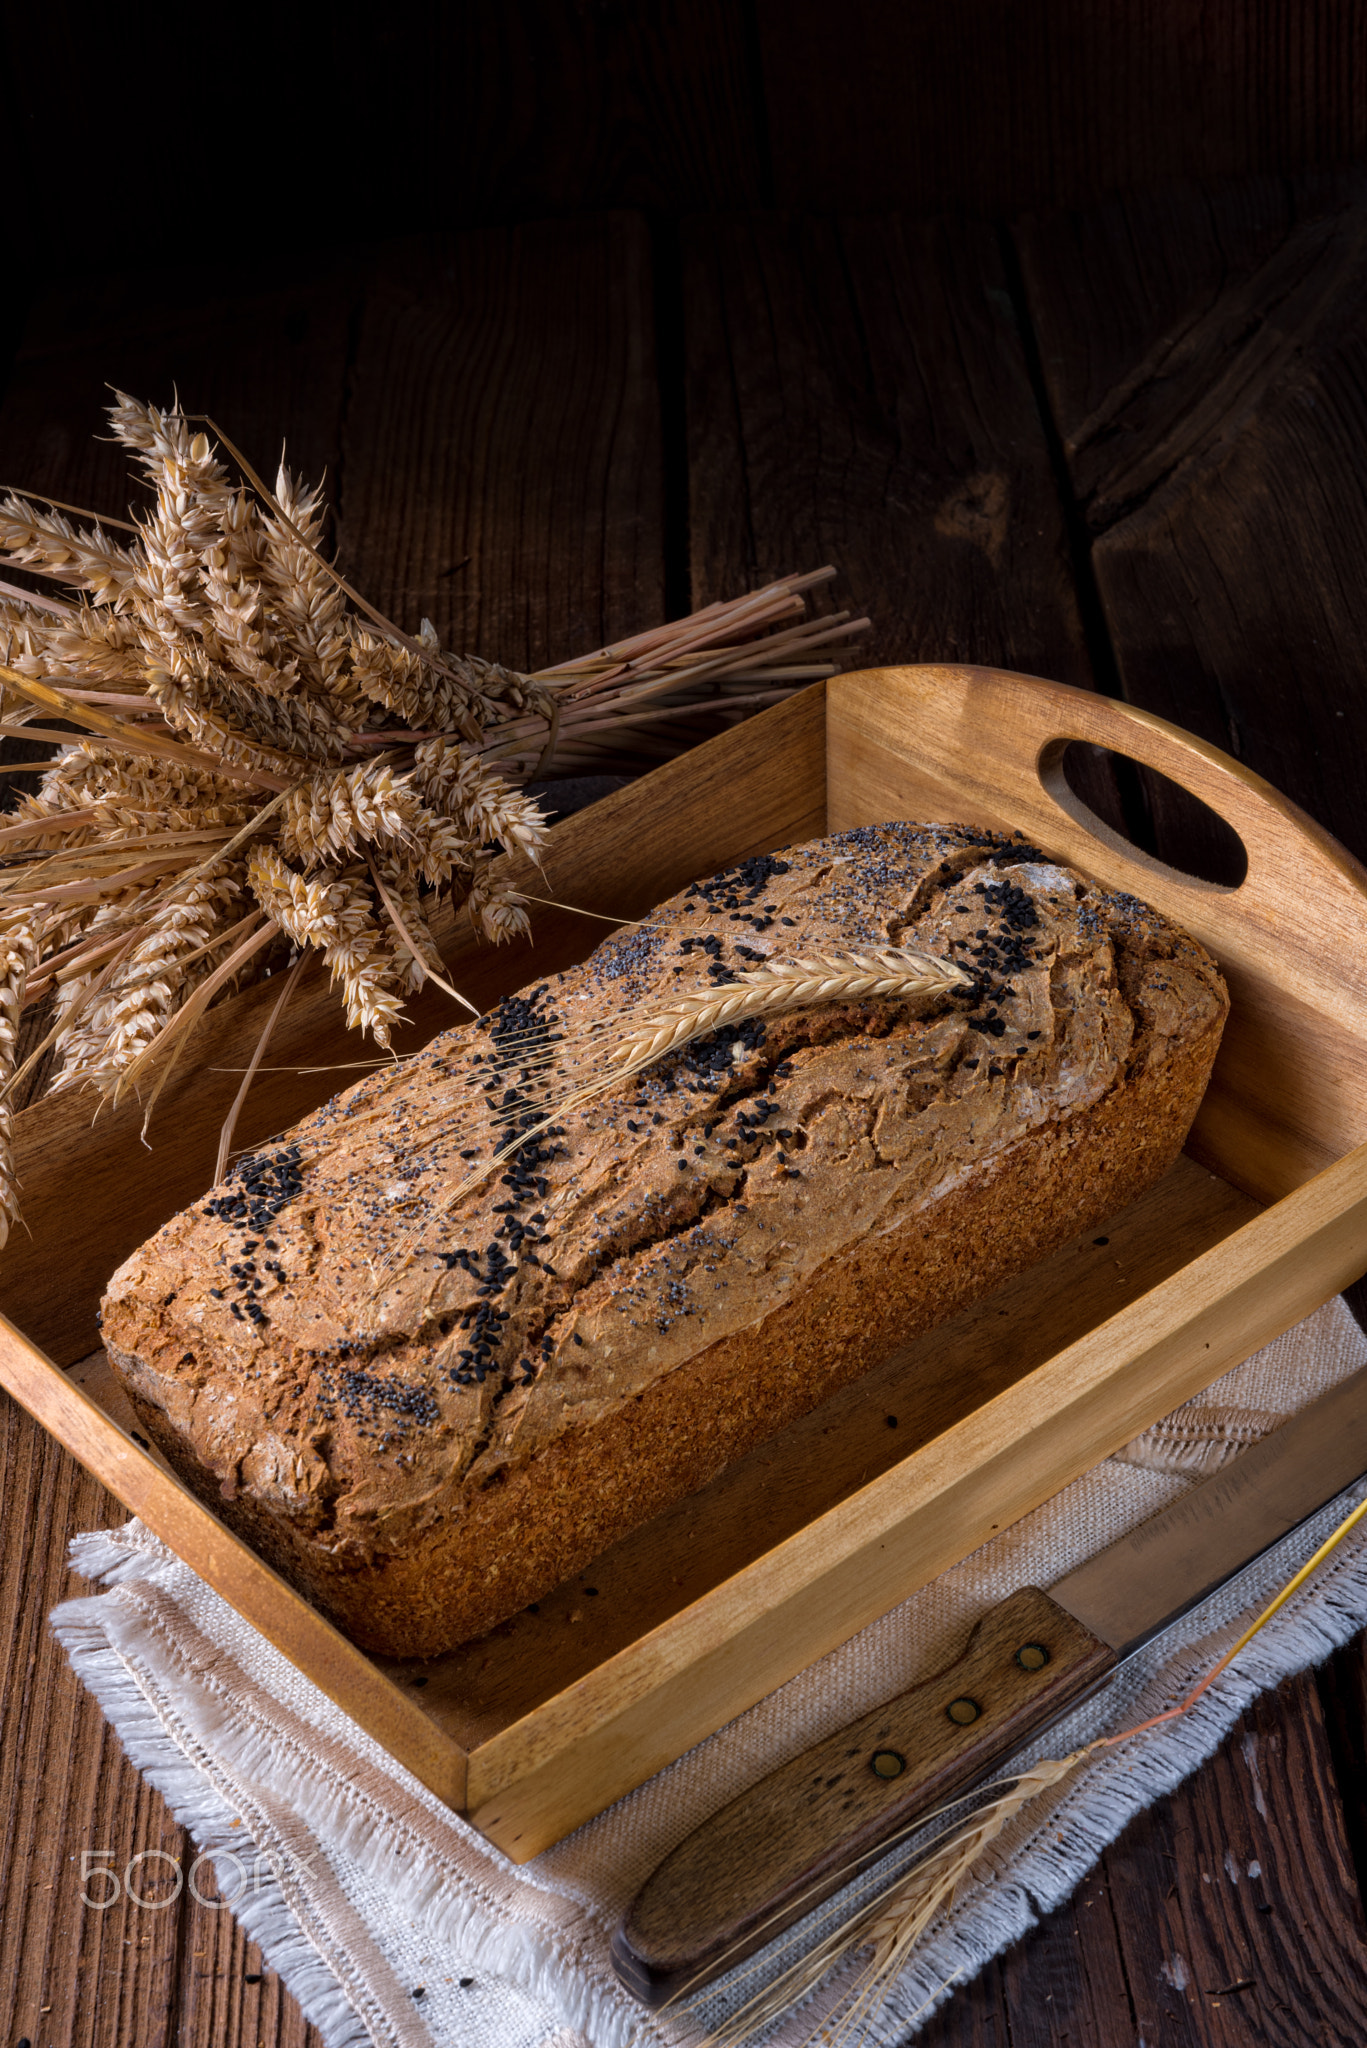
{"x":543,"y":1723}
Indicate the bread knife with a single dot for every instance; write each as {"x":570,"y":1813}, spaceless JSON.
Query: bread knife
{"x":775,"y":1852}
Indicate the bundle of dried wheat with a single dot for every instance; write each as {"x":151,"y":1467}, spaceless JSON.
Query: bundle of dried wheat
{"x":263,"y":763}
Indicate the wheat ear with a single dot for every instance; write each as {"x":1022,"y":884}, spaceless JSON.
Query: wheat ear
{"x":891,"y":1925}
{"x":889,"y":1928}
{"x":18,"y":956}
{"x":893,"y":972}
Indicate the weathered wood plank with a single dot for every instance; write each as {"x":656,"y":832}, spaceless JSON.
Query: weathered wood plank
{"x":264,"y":353}
{"x":975,"y":2017}
{"x":68,"y":1972}
{"x":1342,"y":1683}
{"x":994,"y":108}
{"x":224,"y":1992}
{"x":371,"y":124}
{"x":857,"y":393}
{"x":1213,"y":430}
{"x":268,"y":358}
{"x":530,"y":108}
{"x":1201,"y":361}
{"x":1243,"y":1878}
{"x":501,"y":468}
{"x":1066,"y":1980}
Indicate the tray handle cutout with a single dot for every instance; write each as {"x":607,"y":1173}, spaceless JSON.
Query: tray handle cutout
{"x":1140,"y":803}
{"x":1053,"y":766}
{"x":988,"y":745}
{"x":1294,"y":865}
{"x":984,"y":746}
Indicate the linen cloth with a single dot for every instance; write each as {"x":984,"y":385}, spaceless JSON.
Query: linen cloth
{"x":393,"y":1923}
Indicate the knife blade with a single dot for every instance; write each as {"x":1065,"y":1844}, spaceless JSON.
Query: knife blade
{"x":777,"y":1850}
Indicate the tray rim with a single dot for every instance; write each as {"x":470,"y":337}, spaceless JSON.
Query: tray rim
{"x":530,"y":1769}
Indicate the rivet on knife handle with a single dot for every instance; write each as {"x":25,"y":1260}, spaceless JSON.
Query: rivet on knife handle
{"x":804,"y":1830}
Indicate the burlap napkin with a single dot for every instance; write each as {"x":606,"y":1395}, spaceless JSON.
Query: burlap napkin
{"x":392,"y":1922}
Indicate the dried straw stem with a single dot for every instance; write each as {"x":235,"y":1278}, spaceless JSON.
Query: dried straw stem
{"x":890,"y":1926}
{"x":18,"y":952}
{"x":225,"y":1136}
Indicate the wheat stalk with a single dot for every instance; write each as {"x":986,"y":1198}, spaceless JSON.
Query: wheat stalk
{"x":889,"y":1927}
{"x":18,"y":952}
{"x":225,"y":1136}
{"x":210,"y":652}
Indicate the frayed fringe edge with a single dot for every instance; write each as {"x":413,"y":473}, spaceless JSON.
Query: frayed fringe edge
{"x":554,"y":1965}
{"x":262,"y":1911}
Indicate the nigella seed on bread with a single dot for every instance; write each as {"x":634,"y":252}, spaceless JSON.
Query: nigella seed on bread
{"x":501,"y":1320}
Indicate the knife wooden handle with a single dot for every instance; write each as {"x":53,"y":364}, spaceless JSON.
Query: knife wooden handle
{"x":806,"y":1829}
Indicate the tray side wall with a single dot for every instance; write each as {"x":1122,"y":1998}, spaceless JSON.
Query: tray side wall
{"x":170,"y":1511}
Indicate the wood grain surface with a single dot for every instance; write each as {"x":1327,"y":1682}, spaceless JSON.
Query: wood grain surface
{"x":858,"y":394}
{"x":861,"y":392}
{"x":1226,"y":1914}
{"x":992,"y":108}
{"x":501,"y":455}
{"x":499,"y":110}
{"x":377,"y":122}
{"x":1210,"y":430}
{"x":1238,"y":637}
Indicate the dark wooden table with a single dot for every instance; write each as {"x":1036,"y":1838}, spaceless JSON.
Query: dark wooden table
{"x":1126,"y":449}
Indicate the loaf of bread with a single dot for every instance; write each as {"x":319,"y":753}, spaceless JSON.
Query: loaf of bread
{"x":427,"y":1396}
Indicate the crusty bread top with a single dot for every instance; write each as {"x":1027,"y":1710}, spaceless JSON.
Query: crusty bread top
{"x":331,"y":1331}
